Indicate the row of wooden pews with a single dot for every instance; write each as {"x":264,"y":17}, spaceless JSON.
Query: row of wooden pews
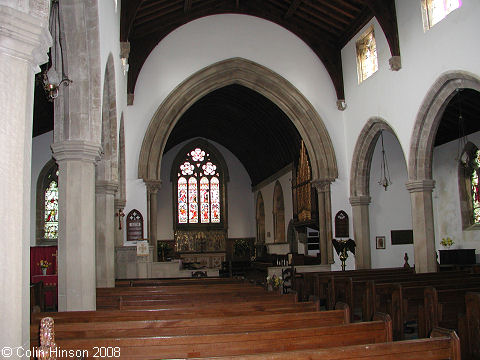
{"x":427,"y":300}
{"x":229,"y":320}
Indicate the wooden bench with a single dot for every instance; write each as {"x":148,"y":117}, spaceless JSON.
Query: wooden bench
{"x":469,"y":327}
{"x":442,"y":345}
{"x":228,"y":344}
{"x":197,"y":326}
{"x":404,"y":301}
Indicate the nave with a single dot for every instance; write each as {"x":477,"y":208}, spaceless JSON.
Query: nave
{"x":239,"y":319}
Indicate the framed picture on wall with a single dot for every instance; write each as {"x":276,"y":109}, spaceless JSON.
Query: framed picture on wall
{"x":380,"y":242}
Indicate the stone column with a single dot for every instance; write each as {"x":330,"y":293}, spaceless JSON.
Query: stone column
{"x":119,"y":205}
{"x":24,"y":43}
{"x":361,"y":231}
{"x":422,"y":220}
{"x":105,"y":232}
{"x":76,"y":246}
{"x":152,"y":190}
{"x":325,"y":220}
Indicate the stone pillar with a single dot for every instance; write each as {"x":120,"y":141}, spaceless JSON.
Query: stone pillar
{"x":24,"y":43}
{"x":76,"y":238}
{"x":152,"y":191}
{"x":325,"y":220}
{"x":119,"y":205}
{"x":361,"y":231}
{"x":422,"y":220}
{"x":105,"y":232}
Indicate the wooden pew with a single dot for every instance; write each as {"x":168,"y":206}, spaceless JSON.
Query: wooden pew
{"x":442,"y":345}
{"x":174,"y":281}
{"x":315,"y":283}
{"x":229,"y":344}
{"x":404,"y":301}
{"x":199,"y":326}
{"x":469,"y":327}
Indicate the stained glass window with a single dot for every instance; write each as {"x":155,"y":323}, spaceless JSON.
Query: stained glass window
{"x":476,"y":188}
{"x":182,"y":201}
{"x":367,"y":62}
{"x":51,"y":211}
{"x":198,"y":198}
{"x":436,"y":10}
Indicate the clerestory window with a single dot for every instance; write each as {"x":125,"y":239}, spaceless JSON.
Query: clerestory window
{"x":367,"y":62}
{"x":433,"y":11}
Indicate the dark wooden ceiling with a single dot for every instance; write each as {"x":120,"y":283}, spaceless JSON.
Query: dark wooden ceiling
{"x":324,"y":25}
{"x":252,"y":127}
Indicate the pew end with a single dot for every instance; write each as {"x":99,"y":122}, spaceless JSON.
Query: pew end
{"x":454,"y":340}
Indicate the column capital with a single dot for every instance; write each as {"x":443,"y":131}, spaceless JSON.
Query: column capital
{"x":119,"y":204}
{"x":24,"y":34}
{"x":360,"y":200}
{"x":124,"y":49}
{"x":76,"y":150}
{"x":322,"y":185}
{"x":420,"y":185}
{"x":153,"y":186}
{"x":106,"y":187}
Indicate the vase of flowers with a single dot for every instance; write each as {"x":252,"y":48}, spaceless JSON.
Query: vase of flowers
{"x":274,"y":282}
{"x":44,"y":265}
{"x":447,"y":242}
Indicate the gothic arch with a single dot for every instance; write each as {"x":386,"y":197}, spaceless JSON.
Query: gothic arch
{"x":107,"y":168}
{"x":360,"y":189}
{"x":362,"y":155}
{"x":429,"y":117}
{"x":256,"y":77}
{"x":420,"y":182}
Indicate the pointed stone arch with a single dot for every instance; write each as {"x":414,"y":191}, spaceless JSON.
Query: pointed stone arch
{"x":106,"y":183}
{"x":359,"y":187}
{"x":420,"y":182}
{"x":253,"y":76}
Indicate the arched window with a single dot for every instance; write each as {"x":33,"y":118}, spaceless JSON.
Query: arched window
{"x":47,"y":205}
{"x":469,"y":186}
{"x":199,"y":176}
{"x":278,"y":214}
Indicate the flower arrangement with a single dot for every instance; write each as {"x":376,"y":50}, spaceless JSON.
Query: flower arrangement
{"x":44,"y":264}
{"x":274,"y":281}
{"x":447,"y":242}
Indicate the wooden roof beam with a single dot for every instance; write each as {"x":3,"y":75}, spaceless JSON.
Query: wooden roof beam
{"x":293,"y":7}
{"x":128,"y":10}
{"x":187,"y":7}
{"x":385,"y":12}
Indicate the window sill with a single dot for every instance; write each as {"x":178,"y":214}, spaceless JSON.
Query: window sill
{"x":472,"y":227}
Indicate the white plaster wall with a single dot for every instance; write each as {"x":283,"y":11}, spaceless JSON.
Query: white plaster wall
{"x":41,"y":154}
{"x":446,"y":199}
{"x":205,"y":41}
{"x":241,"y":210}
{"x":391,"y":209}
{"x":397,"y":96}
{"x":267,"y":190}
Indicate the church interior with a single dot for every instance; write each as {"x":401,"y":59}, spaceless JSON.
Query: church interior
{"x":240,"y":141}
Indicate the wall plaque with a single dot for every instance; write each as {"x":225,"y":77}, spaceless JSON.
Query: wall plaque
{"x":341,"y":225}
{"x":134,"y":225}
{"x":401,"y":237}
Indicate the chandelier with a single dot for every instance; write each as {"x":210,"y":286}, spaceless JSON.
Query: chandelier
{"x":51,"y":77}
{"x":384,"y":172}
{"x":462,"y":155}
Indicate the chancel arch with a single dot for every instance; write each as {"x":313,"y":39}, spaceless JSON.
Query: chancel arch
{"x":420,"y":180}
{"x":255,"y":77}
{"x":360,"y":198}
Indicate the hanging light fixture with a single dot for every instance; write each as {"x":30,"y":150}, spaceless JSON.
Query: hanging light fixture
{"x":51,"y":77}
{"x":462,"y":155}
{"x":384,"y":172}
